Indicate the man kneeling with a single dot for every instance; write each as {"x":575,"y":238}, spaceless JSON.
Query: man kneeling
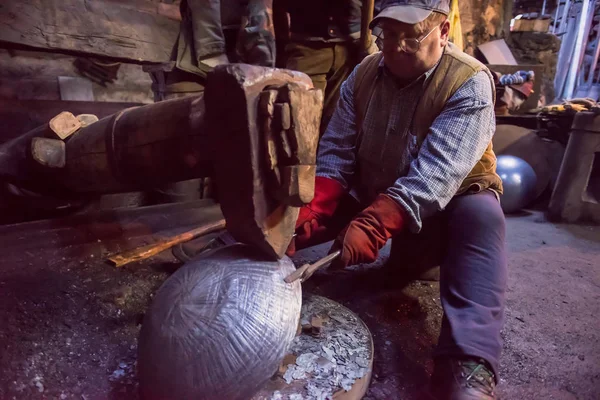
{"x":410,"y":140}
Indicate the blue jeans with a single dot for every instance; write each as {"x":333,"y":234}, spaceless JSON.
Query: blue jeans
{"x":327,"y":64}
{"x":467,"y":241}
{"x":207,"y":22}
{"x":210,"y":19}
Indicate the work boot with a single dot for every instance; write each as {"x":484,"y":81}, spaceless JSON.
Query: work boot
{"x":462,"y":379}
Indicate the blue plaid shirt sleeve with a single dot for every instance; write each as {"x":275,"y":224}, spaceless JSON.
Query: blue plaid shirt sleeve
{"x":337,"y":148}
{"x":455,"y":142}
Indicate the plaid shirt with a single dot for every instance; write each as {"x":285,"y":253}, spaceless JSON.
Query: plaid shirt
{"x":429,"y":176}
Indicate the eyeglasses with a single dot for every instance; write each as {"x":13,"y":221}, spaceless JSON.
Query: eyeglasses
{"x":410,"y":45}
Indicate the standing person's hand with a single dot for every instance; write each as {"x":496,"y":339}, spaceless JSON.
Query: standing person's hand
{"x":256,"y":39}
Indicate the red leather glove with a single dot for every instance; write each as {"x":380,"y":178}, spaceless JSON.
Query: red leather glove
{"x":309,"y":224}
{"x":368,"y":232}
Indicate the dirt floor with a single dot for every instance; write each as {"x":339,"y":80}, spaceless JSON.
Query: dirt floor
{"x":69,"y":322}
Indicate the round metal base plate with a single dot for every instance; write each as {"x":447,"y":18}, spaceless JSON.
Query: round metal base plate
{"x":331,"y":357}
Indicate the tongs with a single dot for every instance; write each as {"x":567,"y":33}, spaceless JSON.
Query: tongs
{"x":306,"y":270}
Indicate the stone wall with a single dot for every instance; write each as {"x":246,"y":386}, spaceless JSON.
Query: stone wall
{"x":537,"y":48}
{"x":487,"y":20}
{"x":484,"y":20}
{"x":32,"y":75}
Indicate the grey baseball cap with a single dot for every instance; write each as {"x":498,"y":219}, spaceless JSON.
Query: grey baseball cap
{"x":410,"y":11}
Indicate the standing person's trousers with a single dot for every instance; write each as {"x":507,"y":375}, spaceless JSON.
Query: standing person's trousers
{"x":327,"y":65}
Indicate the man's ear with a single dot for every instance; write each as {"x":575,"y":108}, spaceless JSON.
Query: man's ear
{"x":444,"y":32}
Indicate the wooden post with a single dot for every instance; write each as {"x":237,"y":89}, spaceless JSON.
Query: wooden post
{"x":367,"y":10}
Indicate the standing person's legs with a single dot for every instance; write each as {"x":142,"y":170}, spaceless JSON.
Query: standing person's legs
{"x":316,"y":60}
{"x":473,"y":279}
{"x":207,"y":32}
{"x":344,"y":61}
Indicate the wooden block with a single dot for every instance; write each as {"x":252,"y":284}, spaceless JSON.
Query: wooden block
{"x":291,"y":143}
{"x":19,"y":116}
{"x":87,"y":119}
{"x":64,"y":124}
{"x":317,"y":321}
{"x":531,"y":25}
{"x":297,"y":184}
{"x":48,"y":152}
{"x":298,"y":132}
{"x":287,"y":360}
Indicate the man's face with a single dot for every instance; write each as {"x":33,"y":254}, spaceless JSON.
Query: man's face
{"x":404,"y":65}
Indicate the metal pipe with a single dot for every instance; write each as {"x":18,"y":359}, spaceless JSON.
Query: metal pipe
{"x":543,"y":9}
{"x":587,"y":31}
{"x":565,"y":15}
{"x":556,"y":16}
{"x":578,"y":52}
{"x":590,"y":79}
{"x":564,"y":60}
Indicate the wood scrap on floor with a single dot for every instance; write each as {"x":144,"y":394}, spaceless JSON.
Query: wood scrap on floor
{"x":105,"y":232}
{"x":145,"y":252}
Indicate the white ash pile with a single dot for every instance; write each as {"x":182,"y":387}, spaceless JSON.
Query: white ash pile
{"x":333,"y":350}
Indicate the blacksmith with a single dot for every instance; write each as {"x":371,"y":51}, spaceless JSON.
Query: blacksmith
{"x":410,"y":142}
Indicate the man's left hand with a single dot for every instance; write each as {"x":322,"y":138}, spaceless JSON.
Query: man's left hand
{"x":368,"y":232}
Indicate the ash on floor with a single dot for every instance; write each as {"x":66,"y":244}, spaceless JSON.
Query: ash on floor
{"x":330,"y":355}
